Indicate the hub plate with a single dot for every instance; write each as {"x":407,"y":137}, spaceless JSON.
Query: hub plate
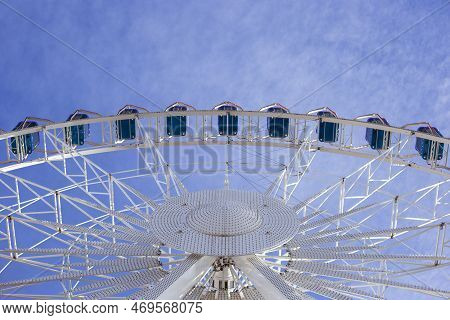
{"x":224,"y":222}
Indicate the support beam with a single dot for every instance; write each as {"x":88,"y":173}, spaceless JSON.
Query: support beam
{"x":268,"y":283}
{"x":179,"y":281}
{"x":160,"y":170}
{"x":294,"y":171}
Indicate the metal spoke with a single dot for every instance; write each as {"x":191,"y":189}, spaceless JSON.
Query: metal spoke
{"x":121,"y":228}
{"x":164,"y":174}
{"x":119,"y":266}
{"x":330,"y":289}
{"x":267,"y":282}
{"x":179,"y":281}
{"x":111,"y":287}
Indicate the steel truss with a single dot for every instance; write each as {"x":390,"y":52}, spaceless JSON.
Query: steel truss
{"x":359,"y":238}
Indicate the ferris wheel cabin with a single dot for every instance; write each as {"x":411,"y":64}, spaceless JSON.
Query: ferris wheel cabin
{"x":328,"y":131}
{"x":126,"y":128}
{"x":25,"y":144}
{"x":278,"y":127}
{"x":176,"y":125}
{"x":378,"y":139}
{"x":75,"y":135}
{"x":228,"y":124}
{"x":428,"y":149}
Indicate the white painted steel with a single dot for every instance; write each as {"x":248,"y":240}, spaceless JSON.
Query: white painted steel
{"x":179,"y":281}
{"x":224,"y":222}
{"x":267,"y":290}
{"x":130,"y":244}
{"x":146,"y":115}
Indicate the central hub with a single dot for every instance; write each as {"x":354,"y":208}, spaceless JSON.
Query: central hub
{"x":224,"y":219}
{"x":224,"y":222}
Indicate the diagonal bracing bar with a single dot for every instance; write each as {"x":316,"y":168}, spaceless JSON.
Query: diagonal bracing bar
{"x":294,"y":171}
{"x":179,"y":281}
{"x":160,"y":170}
{"x":269,"y":283}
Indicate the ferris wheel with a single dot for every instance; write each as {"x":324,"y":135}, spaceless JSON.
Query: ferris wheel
{"x":223,"y":203}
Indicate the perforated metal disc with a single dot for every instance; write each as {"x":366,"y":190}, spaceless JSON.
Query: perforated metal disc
{"x":224,"y":222}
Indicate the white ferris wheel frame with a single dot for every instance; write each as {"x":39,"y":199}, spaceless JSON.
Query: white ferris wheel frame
{"x":150,"y":135}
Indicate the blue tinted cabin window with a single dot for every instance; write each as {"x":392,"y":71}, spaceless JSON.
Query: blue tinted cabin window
{"x":378,"y":139}
{"x":328,"y":131}
{"x":76,"y":135}
{"x":176,"y":125}
{"x":277,"y":127}
{"x":27,"y":142}
{"x":428,"y":149}
{"x":31,"y":142}
{"x":228,"y":124}
{"x":126,"y":129}
{"x":13,"y":141}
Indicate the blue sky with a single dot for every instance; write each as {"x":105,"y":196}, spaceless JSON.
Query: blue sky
{"x":204,"y":52}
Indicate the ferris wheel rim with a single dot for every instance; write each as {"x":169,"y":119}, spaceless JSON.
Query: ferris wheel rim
{"x":121,"y":148}
{"x":255,"y":263}
{"x":300,"y":116}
